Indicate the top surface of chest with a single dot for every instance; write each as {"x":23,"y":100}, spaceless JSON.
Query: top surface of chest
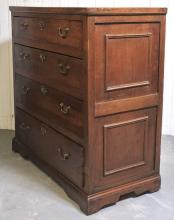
{"x":88,"y":11}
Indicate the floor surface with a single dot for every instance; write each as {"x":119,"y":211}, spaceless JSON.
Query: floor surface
{"x":26,"y":193}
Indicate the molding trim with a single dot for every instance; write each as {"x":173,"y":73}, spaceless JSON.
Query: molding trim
{"x":121,"y":124}
{"x":133,"y":84}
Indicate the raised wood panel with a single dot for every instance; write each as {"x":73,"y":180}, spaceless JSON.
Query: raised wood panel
{"x":126,"y":147}
{"x":134,"y":50}
{"x":127,"y":61}
{"x":135,"y":144}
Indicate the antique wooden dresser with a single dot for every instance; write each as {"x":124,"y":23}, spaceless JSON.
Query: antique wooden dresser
{"x":88,"y":98}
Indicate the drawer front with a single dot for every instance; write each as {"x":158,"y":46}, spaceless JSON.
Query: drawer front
{"x":60,"y":111}
{"x":127,"y":60}
{"x":52,"y":69}
{"x":55,"y":34}
{"x":127,"y":147}
{"x":53,"y":148}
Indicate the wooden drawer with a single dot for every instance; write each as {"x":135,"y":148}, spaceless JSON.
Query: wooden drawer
{"x":66,"y":73}
{"x":58,"y":110}
{"x":50,"y":146}
{"x":60,"y":35}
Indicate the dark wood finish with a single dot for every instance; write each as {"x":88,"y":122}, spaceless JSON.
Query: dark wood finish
{"x":66,"y":73}
{"x":130,"y":137}
{"x":53,"y":107}
{"x":59,"y":34}
{"x":53,"y":148}
{"x":90,"y":204}
{"x":124,"y":105}
{"x":96,"y":127}
{"x":127,"y":59}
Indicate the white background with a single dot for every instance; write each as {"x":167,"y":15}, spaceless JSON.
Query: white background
{"x":6,"y":81}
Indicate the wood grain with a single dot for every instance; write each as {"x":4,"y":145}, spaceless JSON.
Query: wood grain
{"x":97,"y":130}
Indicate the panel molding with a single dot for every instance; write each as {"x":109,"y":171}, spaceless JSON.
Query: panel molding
{"x":119,"y":36}
{"x":127,"y":85}
{"x":120,"y":124}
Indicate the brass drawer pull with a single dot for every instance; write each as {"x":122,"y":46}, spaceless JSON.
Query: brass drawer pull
{"x":42,"y":58}
{"x":24,"y":26}
{"x":24,"y":56}
{"x":21,"y":55}
{"x":43,"y":90}
{"x":42,"y":26}
{"x":63,"y":69}
{"x":26,"y":90}
{"x":64,"y":108}
{"x":24,"y":127}
{"x":64,"y":156}
{"x":43,"y":131}
{"x":63,"y":32}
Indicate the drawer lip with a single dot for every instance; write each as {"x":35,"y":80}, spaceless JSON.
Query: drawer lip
{"x":76,"y":150}
{"x":66,"y":51}
{"x":71,"y":124}
{"x":17,"y":42}
{"x":70,"y":84}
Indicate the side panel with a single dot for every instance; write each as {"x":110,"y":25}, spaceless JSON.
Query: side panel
{"x":129,"y":61}
{"x":125,"y":147}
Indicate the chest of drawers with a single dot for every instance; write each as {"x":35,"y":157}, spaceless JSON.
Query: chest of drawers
{"x":88,"y":88}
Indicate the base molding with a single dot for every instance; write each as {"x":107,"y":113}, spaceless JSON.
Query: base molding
{"x":90,"y":204}
{"x":111,"y":196}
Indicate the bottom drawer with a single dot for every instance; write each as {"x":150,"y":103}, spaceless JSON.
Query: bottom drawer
{"x":50,"y":146}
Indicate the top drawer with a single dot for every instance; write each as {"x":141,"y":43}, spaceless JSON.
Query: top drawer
{"x":59,"y":35}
